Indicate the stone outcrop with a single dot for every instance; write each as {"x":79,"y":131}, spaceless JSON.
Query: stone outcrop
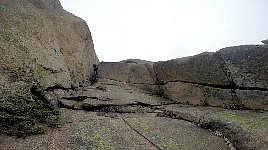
{"x":40,"y":38}
{"x":233,"y":77}
{"x":246,"y":65}
{"x":42,"y":46}
{"x":136,"y":72}
{"x":115,"y":71}
{"x":204,"y":68}
{"x":198,"y":80}
{"x":196,"y":94}
{"x":247,"y":68}
{"x":265,"y":41}
{"x":130,"y":71}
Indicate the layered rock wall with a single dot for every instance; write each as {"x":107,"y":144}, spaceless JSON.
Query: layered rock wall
{"x":203,"y":69}
{"x":115,"y":71}
{"x":233,"y":77}
{"x":138,"y":74}
{"x":246,"y":65}
{"x":247,"y":69}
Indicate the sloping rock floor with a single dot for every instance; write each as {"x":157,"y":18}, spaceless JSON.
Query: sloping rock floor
{"x":113,"y":115}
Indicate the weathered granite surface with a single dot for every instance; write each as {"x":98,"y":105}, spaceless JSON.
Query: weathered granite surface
{"x":233,"y":77}
{"x":42,"y":47}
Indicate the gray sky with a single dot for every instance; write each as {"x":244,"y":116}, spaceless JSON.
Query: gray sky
{"x":159,"y":30}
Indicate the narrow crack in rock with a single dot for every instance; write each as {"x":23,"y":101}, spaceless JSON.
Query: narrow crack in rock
{"x":143,"y":136}
{"x":210,"y":126}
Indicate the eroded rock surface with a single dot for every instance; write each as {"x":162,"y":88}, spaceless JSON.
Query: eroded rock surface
{"x":40,"y":44}
{"x":40,"y":39}
{"x":246,"y":65}
{"x":126,"y":117}
{"x":135,"y":72}
{"x":233,"y":77}
{"x":204,"y":68}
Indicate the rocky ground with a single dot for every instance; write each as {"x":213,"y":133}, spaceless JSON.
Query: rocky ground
{"x":114,"y":115}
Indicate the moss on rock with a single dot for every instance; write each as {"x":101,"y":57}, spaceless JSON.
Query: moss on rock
{"x":24,"y":114}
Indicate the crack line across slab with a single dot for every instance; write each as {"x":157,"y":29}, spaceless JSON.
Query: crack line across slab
{"x":141,"y":135}
{"x":230,"y":86}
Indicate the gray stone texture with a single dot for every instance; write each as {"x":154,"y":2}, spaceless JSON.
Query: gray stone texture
{"x":247,"y":65}
{"x":41,"y":41}
{"x":115,"y":70}
{"x":204,"y":68}
{"x":128,"y":72}
{"x":42,"y":47}
{"x":231,"y":77}
{"x":265,"y":41}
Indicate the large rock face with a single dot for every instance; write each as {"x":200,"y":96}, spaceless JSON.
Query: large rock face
{"x":42,"y":39}
{"x":42,"y":46}
{"x":202,"y":69}
{"x":115,"y":71}
{"x":247,"y":68}
{"x":233,"y":77}
{"x":137,"y":72}
{"x":247,"y":65}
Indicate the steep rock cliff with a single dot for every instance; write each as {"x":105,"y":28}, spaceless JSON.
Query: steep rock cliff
{"x":42,"y":46}
{"x":41,"y":38}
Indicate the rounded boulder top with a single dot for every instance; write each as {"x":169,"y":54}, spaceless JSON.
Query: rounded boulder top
{"x":265,"y":41}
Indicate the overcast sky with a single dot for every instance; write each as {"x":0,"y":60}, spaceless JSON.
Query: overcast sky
{"x":159,"y":30}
